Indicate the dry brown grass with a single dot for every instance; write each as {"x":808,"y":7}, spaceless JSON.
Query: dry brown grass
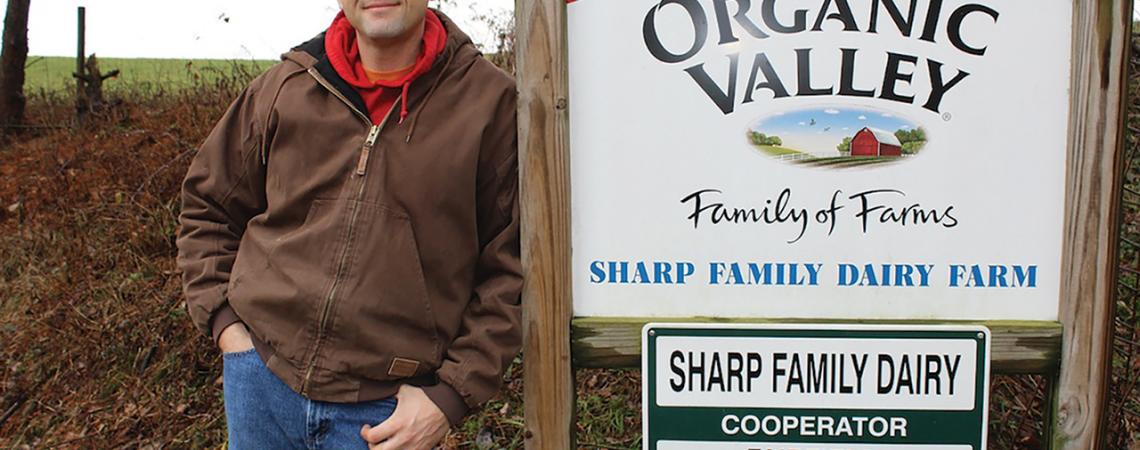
{"x":97,"y":352}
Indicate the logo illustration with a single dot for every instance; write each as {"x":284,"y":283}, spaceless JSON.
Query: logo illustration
{"x":837,"y":137}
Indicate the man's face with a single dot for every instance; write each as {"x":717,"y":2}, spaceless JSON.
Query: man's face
{"x":384,"y":19}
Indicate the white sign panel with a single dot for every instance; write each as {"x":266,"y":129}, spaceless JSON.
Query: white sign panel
{"x":816,"y":373}
{"x":818,"y":158}
{"x":721,"y":387}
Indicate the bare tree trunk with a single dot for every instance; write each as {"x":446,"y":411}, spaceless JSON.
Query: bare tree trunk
{"x":12,"y":60}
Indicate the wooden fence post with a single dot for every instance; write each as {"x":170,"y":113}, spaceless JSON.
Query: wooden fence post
{"x":1099,"y":84}
{"x":544,"y":163}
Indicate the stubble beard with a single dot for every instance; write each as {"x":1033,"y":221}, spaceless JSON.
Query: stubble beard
{"x":383,"y":30}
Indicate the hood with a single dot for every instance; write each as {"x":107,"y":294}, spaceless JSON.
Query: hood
{"x":458,"y":53}
{"x":343,"y":50}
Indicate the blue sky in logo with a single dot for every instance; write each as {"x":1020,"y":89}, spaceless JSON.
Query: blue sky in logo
{"x":819,"y":130}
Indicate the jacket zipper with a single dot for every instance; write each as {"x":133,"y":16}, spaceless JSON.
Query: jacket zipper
{"x":369,"y":142}
{"x":361,"y":165}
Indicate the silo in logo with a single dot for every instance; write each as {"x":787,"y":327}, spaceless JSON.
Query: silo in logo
{"x":837,"y":137}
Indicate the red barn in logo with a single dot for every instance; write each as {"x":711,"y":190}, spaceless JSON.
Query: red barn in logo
{"x":875,"y":142}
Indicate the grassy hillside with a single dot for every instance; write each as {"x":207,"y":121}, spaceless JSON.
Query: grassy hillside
{"x":53,"y":73}
{"x":776,"y":150}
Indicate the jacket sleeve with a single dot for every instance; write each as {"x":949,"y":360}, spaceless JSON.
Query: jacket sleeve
{"x":490,"y":335}
{"x":223,"y":189}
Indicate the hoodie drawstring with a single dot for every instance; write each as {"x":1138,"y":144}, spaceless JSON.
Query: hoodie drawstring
{"x":404,"y":102}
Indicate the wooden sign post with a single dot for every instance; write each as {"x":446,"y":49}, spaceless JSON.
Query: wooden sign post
{"x":892,"y":162}
{"x":544,"y":171}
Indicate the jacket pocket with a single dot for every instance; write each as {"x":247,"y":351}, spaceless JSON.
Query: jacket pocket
{"x":304,"y":243}
{"x":287,"y":276}
{"x":384,"y":322}
{"x":310,"y":239}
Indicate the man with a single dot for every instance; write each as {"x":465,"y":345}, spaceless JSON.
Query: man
{"x":349,"y":236}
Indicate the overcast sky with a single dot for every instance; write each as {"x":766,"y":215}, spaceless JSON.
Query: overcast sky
{"x":224,"y":29}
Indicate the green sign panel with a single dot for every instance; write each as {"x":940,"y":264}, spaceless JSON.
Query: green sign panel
{"x":808,"y":387}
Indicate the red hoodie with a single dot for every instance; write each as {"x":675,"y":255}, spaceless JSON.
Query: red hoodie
{"x":344,"y":55}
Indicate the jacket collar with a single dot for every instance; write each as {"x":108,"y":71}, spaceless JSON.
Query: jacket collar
{"x":458,"y":49}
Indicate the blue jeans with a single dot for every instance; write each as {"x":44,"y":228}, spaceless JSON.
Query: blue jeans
{"x":263,"y":413}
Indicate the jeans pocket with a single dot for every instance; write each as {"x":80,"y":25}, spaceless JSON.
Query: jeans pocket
{"x":240,"y":371}
{"x":238,"y":354}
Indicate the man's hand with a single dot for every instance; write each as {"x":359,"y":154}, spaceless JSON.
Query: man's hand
{"x":235,"y":338}
{"x":416,"y":424}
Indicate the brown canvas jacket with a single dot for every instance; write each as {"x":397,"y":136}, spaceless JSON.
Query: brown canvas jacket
{"x":363,"y":257}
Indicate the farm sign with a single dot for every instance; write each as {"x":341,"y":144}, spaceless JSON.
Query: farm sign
{"x":882,"y":159}
{"x":716,"y":387}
